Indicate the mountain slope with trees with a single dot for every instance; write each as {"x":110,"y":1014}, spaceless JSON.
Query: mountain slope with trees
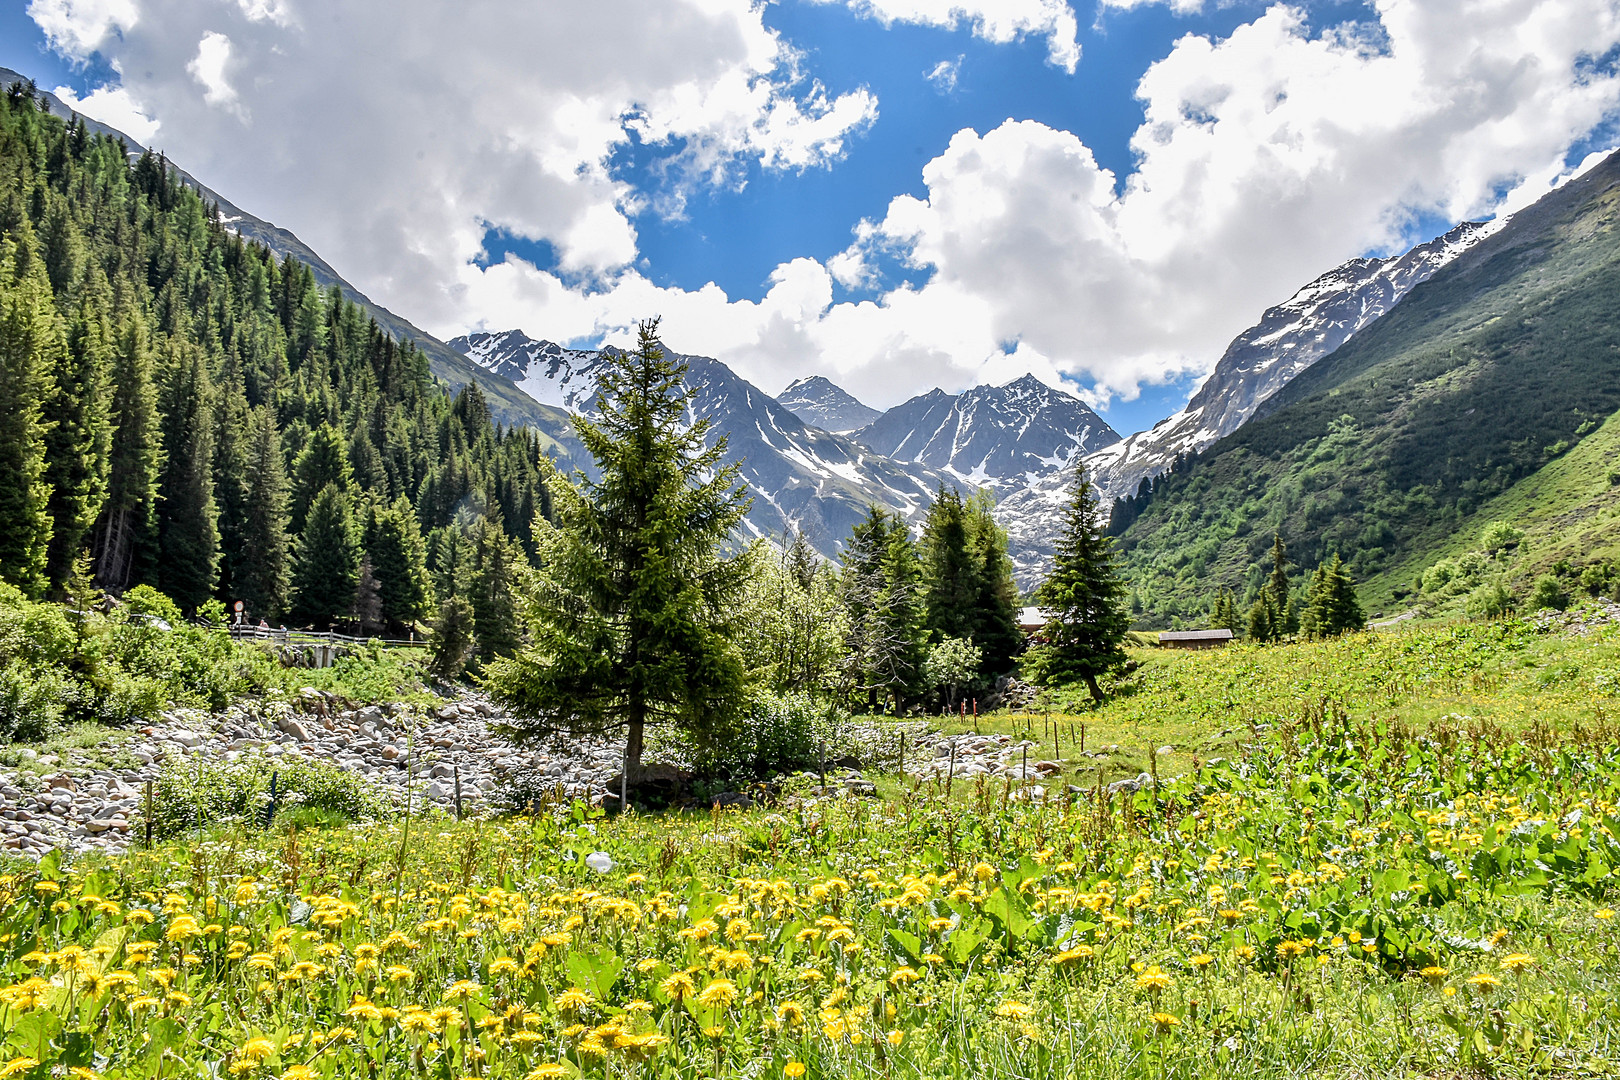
{"x":1496,"y":366}
{"x":202,"y":416}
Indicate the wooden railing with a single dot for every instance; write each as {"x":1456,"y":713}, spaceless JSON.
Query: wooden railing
{"x":295,"y":638}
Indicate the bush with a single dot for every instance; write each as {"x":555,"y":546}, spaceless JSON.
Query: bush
{"x":1490,"y":601}
{"x":1548,"y":593}
{"x":778,"y":735}
{"x":189,"y":793}
{"x":1438,"y":576}
{"x":1499,"y":536}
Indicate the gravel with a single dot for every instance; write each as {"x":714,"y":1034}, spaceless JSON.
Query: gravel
{"x":77,"y":806}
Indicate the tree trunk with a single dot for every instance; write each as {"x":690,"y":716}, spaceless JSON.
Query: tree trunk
{"x":1091,"y":684}
{"x":634,"y":726}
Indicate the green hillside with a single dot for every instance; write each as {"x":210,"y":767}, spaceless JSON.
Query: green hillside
{"x":1483,"y":376}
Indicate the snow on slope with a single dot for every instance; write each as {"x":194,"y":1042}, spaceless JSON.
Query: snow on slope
{"x":1288,"y":339}
{"x":800,"y":475}
{"x":821,"y":403}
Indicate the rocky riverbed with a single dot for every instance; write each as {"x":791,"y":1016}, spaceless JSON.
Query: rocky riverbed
{"x":93,"y":798}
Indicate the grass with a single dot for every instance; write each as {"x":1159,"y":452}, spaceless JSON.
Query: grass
{"x":1569,"y":510}
{"x":1404,"y":866}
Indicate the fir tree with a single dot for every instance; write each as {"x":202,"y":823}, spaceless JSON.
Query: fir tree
{"x":1085,"y":633}
{"x":79,"y":435}
{"x":1260,"y":624}
{"x":367,"y":609}
{"x":899,"y":639}
{"x":493,"y":596}
{"x":188,"y":537}
{"x":1284,"y":609}
{"x":950,"y":576}
{"x":128,"y":516}
{"x":326,"y":567}
{"x":399,"y":560}
{"x":231,"y":451}
{"x":634,"y":620}
{"x":1223,"y":613}
{"x":1331,"y":607}
{"x":323,"y":461}
{"x":29,"y":342}
{"x":261,"y":565}
{"x":450,"y":642}
{"x":995,"y":606}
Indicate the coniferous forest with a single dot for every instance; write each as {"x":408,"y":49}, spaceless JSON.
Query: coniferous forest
{"x":185,"y":411}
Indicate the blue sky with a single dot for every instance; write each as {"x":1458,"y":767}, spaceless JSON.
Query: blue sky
{"x":481,"y":167}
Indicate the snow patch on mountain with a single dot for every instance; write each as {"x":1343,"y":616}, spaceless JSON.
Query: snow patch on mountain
{"x":801,"y":476}
{"x":822,"y":403}
{"x":1289,"y":338}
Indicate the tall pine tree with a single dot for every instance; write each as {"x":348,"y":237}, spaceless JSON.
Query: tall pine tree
{"x":326,"y":566}
{"x":78,"y":442}
{"x":399,"y":562}
{"x":128,"y":516}
{"x":188,"y":530}
{"x":1084,"y":636}
{"x":635,"y":617}
{"x":30,"y":343}
{"x":262,"y":563}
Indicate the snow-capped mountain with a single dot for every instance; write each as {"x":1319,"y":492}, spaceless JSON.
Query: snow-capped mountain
{"x":1016,"y":440}
{"x":1000,"y":437}
{"x":822,"y":403}
{"x":1288,"y":339}
{"x":799,"y":475}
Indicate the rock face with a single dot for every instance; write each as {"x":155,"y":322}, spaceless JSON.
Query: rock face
{"x":822,"y":403}
{"x":1000,"y":437}
{"x":1288,"y":339}
{"x":801,"y":476}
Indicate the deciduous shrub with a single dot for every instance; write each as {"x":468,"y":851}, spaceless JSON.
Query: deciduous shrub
{"x":189,"y":793}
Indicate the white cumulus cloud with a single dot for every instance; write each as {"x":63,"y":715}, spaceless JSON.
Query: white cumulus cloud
{"x":391,"y":137}
{"x":79,"y":27}
{"x":998,"y":21}
{"x":113,"y":105}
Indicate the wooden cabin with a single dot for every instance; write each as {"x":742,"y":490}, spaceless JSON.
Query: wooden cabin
{"x":1194,"y":639}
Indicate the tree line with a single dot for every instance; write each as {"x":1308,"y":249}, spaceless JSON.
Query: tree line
{"x":181,"y":409}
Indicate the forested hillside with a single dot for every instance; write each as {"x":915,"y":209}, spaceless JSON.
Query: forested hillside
{"x":1499,"y":364}
{"x":181,"y":409}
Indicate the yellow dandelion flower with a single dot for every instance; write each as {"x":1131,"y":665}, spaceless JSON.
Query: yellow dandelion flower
{"x":1202,"y":961}
{"x":719,"y":993}
{"x":1517,"y":961}
{"x":793,"y":1070}
{"x":1014,"y":1010}
{"x":1153,"y":978}
{"x":1484,"y":982}
{"x":573,"y":999}
{"x":19,"y":1064}
{"x":1165,"y":1021}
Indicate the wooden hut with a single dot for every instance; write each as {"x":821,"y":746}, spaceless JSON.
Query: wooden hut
{"x":1194,"y":639}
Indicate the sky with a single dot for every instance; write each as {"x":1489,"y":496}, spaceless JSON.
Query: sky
{"x":896,"y":194}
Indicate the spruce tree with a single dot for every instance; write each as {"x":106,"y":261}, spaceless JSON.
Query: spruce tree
{"x":950,"y":576}
{"x":995,"y":606}
{"x":1223,"y":613}
{"x":399,"y":561}
{"x":261,"y":564}
{"x":324,"y":460}
{"x":899,"y":639}
{"x":635,"y":614}
{"x":450,"y":642}
{"x":493,"y":592}
{"x":1331,"y":607}
{"x":367,"y":608}
{"x":78,"y":440}
{"x":1084,"y":635}
{"x":232,"y":433}
{"x":1261,"y":626}
{"x":188,"y":536}
{"x":128,"y":516}
{"x":1284,"y":609}
{"x":29,"y":343}
{"x":326,"y":566}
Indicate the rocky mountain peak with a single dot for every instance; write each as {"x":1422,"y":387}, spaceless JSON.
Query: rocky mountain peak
{"x":822,"y":403}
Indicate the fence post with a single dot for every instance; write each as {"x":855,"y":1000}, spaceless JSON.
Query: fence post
{"x":149,"y":815}
{"x":902,"y":753}
{"x":950,"y":770}
{"x":457,"y":773}
{"x":270,"y":809}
